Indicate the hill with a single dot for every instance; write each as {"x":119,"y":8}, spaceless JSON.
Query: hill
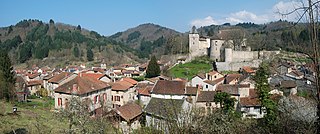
{"x":150,"y":39}
{"x":57,"y":44}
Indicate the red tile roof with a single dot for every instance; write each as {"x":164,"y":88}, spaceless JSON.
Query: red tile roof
{"x":248,"y":101}
{"x":169,"y":87}
{"x":131,"y":81}
{"x":231,"y":89}
{"x":121,"y":85}
{"x":32,"y":76}
{"x":231,"y":77}
{"x":34,"y":82}
{"x":248,"y":69}
{"x":92,"y":75}
{"x":191,"y":90}
{"x":145,"y":91}
{"x":129,"y":111}
{"x":213,"y":73}
{"x":206,"y":96}
{"x":59,"y":77}
{"x":83,"y":85}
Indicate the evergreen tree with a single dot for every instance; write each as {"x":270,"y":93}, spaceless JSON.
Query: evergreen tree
{"x":7,"y":77}
{"x":89,"y":54}
{"x":262,"y":85}
{"x":76,"y":51}
{"x":214,"y":66}
{"x":153,"y":69}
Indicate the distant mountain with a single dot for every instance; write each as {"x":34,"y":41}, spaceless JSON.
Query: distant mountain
{"x":58,"y":44}
{"x":152,"y":39}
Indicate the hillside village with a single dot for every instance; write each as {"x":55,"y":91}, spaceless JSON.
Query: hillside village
{"x":131,"y":101}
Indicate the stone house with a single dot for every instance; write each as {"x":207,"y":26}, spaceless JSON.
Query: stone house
{"x":289,"y":87}
{"x":198,"y":80}
{"x":232,"y":78}
{"x":91,"y":91}
{"x":214,"y":75}
{"x":165,"y":89}
{"x":126,"y":117}
{"x":58,"y":80}
{"x":123,"y":91}
{"x":250,"y":106}
{"x":205,"y":102}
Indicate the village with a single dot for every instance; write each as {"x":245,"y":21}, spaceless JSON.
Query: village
{"x":130,"y":102}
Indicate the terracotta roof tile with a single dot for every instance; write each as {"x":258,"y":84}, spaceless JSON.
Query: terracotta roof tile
{"x":249,"y":101}
{"x":231,"y":77}
{"x":92,"y":75}
{"x":145,"y":91}
{"x":201,"y":75}
{"x":34,"y":82}
{"x":121,"y":85}
{"x":132,"y":81}
{"x":206,"y":96}
{"x":169,"y":87}
{"x":59,"y":77}
{"x":248,"y":69}
{"x":191,"y":90}
{"x":231,"y":89}
{"x":129,"y":111}
{"x":82,"y":85}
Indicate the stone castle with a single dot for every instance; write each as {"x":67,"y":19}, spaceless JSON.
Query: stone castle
{"x":222,"y":49}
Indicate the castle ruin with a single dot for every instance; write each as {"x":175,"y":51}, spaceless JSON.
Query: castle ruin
{"x":229,"y":54}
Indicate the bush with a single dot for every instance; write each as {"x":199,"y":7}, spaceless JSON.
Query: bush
{"x":32,"y":97}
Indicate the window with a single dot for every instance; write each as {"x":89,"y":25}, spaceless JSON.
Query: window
{"x":59,"y":101}
{"x":208,"y":104}
{"x":96,"y":99}
{"x":207,"y":86}
{"x":215,"y":76}
{"x":116,"y":98}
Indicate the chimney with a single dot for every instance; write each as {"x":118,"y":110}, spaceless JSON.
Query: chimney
{"x":74,"y":88}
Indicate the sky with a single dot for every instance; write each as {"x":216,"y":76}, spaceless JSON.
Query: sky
{"x":110,"y":16}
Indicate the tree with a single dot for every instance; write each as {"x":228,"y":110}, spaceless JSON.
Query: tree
{"x":89,"y":54}
{"x":225,"y":100}
{"x":79,"y":27}
{"x":263,"y":88}
{"x":51,"y":21}
{"x":214,"y":66}
{"x":8,"y":77}
{"x":76,"y":51}
{"x":153,"y":69}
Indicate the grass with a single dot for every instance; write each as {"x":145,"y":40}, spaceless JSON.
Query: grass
{"x":190,"y":69}
{"x":36,"y":116}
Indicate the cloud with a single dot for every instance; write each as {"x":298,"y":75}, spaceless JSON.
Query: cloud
{"x":282,"y":8}
{"x":203,"y":22}
{"x":245,"y":16}
{"x":273,"y":14}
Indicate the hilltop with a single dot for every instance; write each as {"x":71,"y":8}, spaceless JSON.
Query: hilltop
{"x":153,"y":39}
{"x":56,"y":44}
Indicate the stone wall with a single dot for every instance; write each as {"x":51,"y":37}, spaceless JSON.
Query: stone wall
{"x":235,"y":66}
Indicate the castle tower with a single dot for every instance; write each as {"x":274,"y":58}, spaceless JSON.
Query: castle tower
{"x":215,"y":48}
{"x":193,"y":41}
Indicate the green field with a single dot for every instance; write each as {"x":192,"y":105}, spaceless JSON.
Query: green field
{"x":190,"y":69}
{"x":36,"y":116}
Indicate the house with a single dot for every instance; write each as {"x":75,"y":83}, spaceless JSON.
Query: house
{"x":93,"y":92}
{"x":198,"y":80}
{"x":284,"y":68}
{"x":34,"y":86}
{"x":237,"y":91}
{"x":249,"y":81}
{"x":58,"y":80}
{"x":126,"y":117}
{"x":289,"y":86}
{"x":205,"y":102}
{"x":98,"y":76}
{"x":191,"y":93}
{"x":247,"y":71}
{"x":232,"y":78}
{"x":161,"y":111}
{"x":212,"y":85}
{"x":250,"y":106}
{"x":123,"y":91}
{"x":143,"y":91}
{"x":166,"y":89}
{"x":213,"y":75}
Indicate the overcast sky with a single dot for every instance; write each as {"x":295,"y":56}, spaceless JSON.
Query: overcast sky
{"x":110,"y":16}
